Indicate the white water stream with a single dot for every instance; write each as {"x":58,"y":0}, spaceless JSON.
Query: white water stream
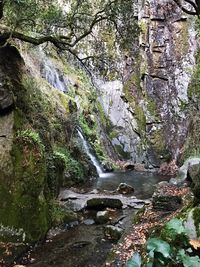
{"x":90,"y":155}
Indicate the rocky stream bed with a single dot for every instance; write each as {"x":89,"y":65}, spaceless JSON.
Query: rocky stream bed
{"x":99,"y":219}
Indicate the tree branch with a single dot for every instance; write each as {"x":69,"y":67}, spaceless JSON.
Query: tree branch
{"x":195,"y":5}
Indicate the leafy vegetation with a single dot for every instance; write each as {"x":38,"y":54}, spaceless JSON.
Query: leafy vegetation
{"x":171,"y":248}
{"x":66,"y":25}
{"x":31,"y":136}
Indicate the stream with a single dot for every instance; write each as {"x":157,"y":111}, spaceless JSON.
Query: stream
{"x":82,"y":243}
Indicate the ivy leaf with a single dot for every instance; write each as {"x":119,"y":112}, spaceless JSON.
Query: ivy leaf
{"x":135,"y":261}
{"x":158,"y":245}
{"x":187,"y":260}
{"x":176,"y":225}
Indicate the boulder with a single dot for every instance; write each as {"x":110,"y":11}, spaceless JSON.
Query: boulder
{"x":129,"y":166}
{"x":194,"y":173}
{"x":139,"y":167}
{"x":105,"y":202}
{"x":107,"y":166}
{"x":113,"y":232}
{"x":124,"y":188}
{"x":165,"y":198}
{"x":102,"y":217}
{"x":183,"y":170}
{"x":193,"y":176}
{"x":192,"y":223}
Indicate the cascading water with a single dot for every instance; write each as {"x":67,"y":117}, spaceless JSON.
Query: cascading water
{"x":90,"y":155}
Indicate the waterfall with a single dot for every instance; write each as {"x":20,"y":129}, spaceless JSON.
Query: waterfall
{"x":90,"y":155}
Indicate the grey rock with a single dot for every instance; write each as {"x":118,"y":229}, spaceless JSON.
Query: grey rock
{"x":194,"y":173}
{"x":6,"y":97}
{"x":191,"y":226}
{"x":113,"y":232}
{"x":166,"y":202}
{"x":102,"y":217}
{"x":164,"y":199}
{"x":124,"y":188}
{"x":89,"y":222}
{"x":183,"y":170}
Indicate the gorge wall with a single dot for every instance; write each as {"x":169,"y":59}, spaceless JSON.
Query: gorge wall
{"x":148,"y":107}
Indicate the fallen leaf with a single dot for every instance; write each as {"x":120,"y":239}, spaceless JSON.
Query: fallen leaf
{"x":195,"y":243}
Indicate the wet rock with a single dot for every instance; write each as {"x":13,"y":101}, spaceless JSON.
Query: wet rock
{"x":124,"y":188}
{"x":194,"y":173}
{"x":6,"y":98}
{"x":192,"y":223}
{"x":139,"y":167}
{"x":98,"y":203}
{"x":89,"y":222}
{"x":193,"y":177}
{"x":165,"y":198}
{"x":129,"y":166}
{"x":113,"y":232}
{"x":94,"y":191}
{"x":107,"y":167}
{"x":183,"y":170}
{"x":80,"y":244}
{"x":102,"y":217}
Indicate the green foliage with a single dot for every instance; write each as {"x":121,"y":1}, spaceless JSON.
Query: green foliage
{"x":188,"y":261}
{"x":30,"y":136}
{"x":157,"y":246}
{"x":71,"y":168}
{"x":32,"y":15}
{"x":135,"y":261}
{"x":196,"y":216}
{"x":59,"y":215}
{"x":172,"y":248}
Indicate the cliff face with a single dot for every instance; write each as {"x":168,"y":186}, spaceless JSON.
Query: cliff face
{"x":148,"y":107}
{"x":38,"y":148}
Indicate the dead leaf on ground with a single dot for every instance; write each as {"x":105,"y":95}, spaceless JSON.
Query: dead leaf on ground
{"x":195,"y":243}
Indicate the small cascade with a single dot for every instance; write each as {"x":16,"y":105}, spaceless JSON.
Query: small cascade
{"x":90,"y":155}
{"x":54,"y":77}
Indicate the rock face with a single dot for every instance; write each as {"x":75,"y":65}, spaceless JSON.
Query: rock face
{"x":35,"y":123}
{"x":147,"y":110}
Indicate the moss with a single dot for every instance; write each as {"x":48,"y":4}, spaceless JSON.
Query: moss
{"x":152,"y":108}
{"x":181,"y":40}
{"x":157,"y":142}
{"x":138,"y":216}
{"x":141,"y":119}
{"x":121,"y":152}
{"x":191,"y":146}
{"x":196,"y":217}
{"x":70,"y":168}
{"x":133,"y":93}
{"x":24,"y":203}
{"x":59,"y":215}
